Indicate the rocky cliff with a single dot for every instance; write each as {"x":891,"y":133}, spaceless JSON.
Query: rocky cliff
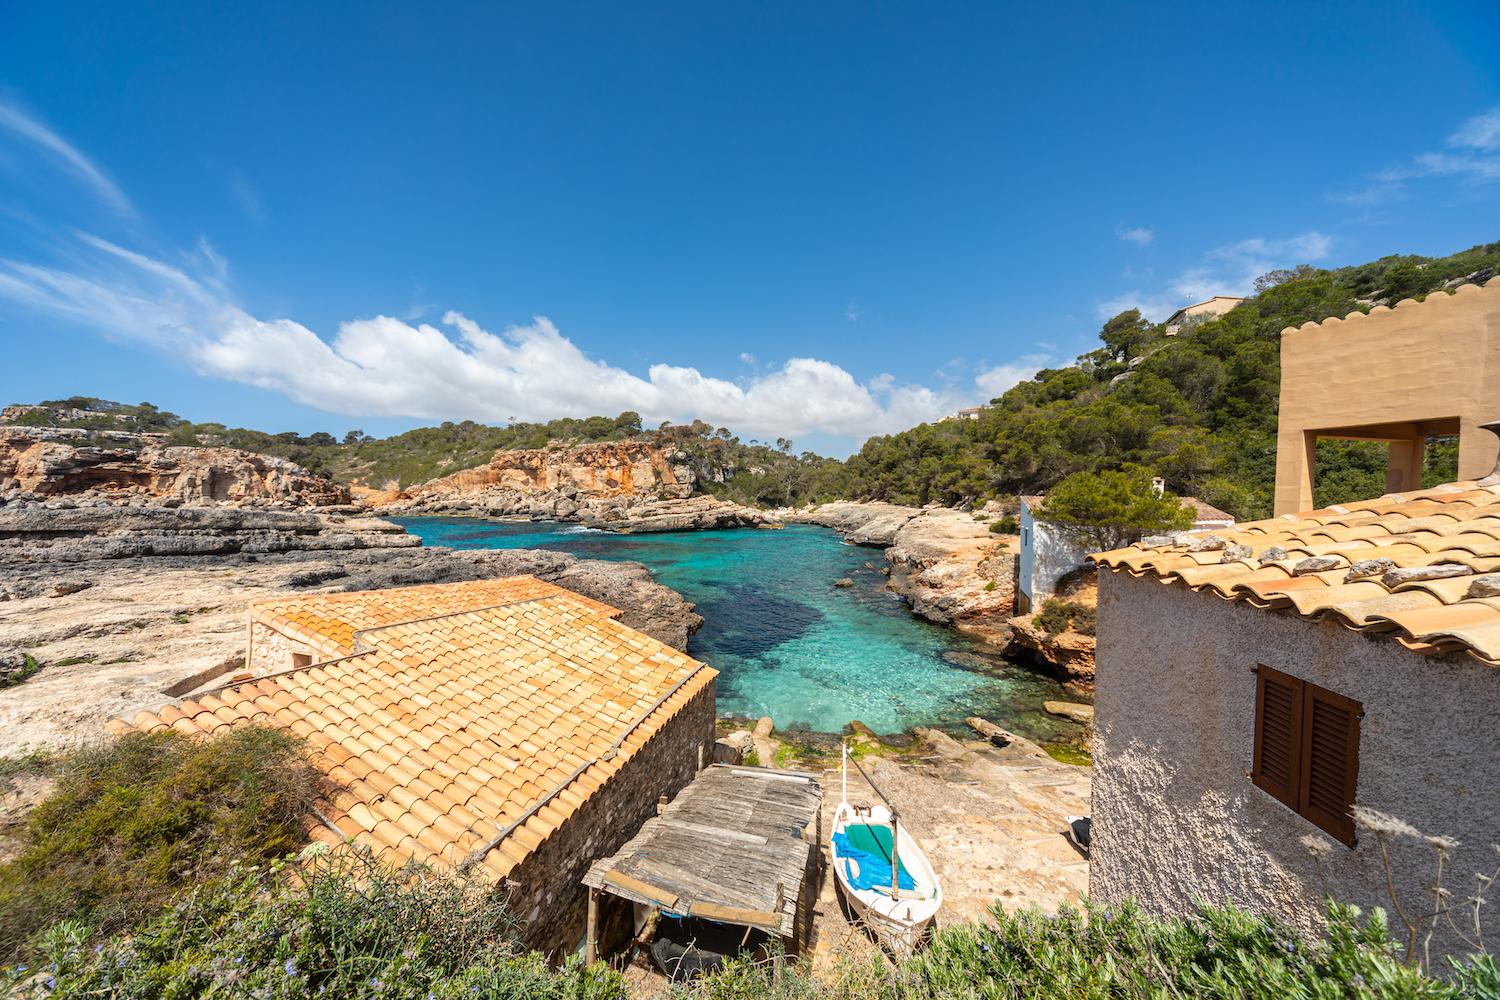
{"x":949,"y":567}
{"x":607,"y":469}
{"x":49,"y":464}
{"x":617,"y":485}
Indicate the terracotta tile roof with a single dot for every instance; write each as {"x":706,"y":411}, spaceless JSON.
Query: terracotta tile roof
{"x":471,"y":736}
{"x":1423,"y":566}
{"x":328,"y":622}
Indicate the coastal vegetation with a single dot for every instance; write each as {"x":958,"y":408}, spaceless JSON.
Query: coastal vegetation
{"x":192,"y":881}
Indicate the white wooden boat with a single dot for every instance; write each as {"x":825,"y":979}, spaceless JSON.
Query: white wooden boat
{"x":861,"y":844}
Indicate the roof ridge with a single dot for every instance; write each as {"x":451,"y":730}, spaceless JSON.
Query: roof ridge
{"x":357,"y":633}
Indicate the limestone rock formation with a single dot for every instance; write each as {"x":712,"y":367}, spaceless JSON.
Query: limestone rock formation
{"x":949,"y":567}
{"x":632,"y":486}
{"x":606,"y":469}
{"x":1069,"y":655}
{"x":51,"y":465}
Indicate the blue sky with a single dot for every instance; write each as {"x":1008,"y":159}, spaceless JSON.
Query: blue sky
{"x":819,"y":220}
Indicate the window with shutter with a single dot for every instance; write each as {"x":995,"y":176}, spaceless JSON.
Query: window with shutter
{"x":1278,"y":735}
{"x":1330,"y":761}
{"x":1307,"y":749}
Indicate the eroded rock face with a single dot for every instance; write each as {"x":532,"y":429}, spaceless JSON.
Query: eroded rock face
{"x":1069,"y":655}
{"x":41,"y":465}
{"x":949,"y":567}
{"x":607,"y":469}
{"x":631,"y":486}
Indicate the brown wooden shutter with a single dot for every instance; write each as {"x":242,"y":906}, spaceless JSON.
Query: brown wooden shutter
{"x":1330,"y":763}
{"x":1278,"y":735}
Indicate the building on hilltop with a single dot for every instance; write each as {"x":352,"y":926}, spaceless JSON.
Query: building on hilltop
{"x":1208,"y":309}
{"x":967,"y":413}
{"x":1048,"y":553}
{"x":1294,"y":708}
{"x":1399,"y":375}
{"x":508,"y":724}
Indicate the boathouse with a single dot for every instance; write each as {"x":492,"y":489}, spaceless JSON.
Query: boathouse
{"x":508,"y":724}
{"x":1308,"y":706}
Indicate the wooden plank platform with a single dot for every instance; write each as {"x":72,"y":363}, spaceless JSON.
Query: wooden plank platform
{"x":730,"y":848}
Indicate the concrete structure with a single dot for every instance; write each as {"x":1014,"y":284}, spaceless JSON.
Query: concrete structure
{"x":1218,"y":305}
{"x":967,"y":413}
{"x":1048,"y":554}
{"x":1383,"y":607}
{"x":1394,"y":375}
{"x":506,"y":724}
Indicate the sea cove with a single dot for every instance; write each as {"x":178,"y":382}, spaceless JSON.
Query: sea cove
{"x":788,"y":642}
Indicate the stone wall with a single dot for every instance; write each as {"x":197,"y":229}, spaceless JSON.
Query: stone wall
{"x":271,"y":651}
{"x":1175,"y":816}
{"x":547,"y":893}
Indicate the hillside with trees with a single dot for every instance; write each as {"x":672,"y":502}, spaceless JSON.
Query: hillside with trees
{"x":1198,"y":408}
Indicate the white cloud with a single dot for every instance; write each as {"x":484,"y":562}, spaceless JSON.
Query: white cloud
{"x":384,"y":366}
{"x":1139,"y":235}
{"x":14,"y":118}
{"x":1226,"y":270}
{"x":746,"y":358}
{"x":1471,"y":153}
{"x":852,"y":313}
{"x":994,"y":381}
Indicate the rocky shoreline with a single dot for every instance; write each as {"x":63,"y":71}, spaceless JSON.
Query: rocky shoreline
{"x":624,"y":513}
{"x":123,"y":606}
{"x":948,"y":566}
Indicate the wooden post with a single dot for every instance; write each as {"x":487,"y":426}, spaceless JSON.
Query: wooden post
{"x":895,"y":861}
{"x":591,"y":943}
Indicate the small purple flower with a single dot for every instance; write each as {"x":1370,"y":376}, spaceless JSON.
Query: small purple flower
{"x":290,"y":966}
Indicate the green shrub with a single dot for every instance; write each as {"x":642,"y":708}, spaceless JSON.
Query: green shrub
{"x":1099,"y":954}
{"x":1057,"y":615}
{"x":132,"y":821}
{"x":344,"y":927}
{"x":10,"y":676}
{"x":1006,"y":525}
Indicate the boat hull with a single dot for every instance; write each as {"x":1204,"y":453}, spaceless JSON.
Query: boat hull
{"x":900,"y":923}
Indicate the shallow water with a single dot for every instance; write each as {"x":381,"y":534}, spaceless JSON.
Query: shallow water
{"x":787,"y":642}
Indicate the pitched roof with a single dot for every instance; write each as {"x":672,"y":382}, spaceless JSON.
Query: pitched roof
{"x":1205,"y":511}
{"x":470,"y":736}
{"x":328,"y":622}
{"x":1424,"y":566}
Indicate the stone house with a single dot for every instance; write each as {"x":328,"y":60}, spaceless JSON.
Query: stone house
{"x":1209,"y":308}
{"x":506,"y":724}
{"x":1260,"y":706}
{"x":1047,"y":554}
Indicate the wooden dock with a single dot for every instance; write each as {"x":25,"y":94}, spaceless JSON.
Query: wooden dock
{"x":734,"y":847}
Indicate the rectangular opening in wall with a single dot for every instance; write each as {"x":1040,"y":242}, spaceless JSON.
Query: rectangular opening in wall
{"x":300,"y":660}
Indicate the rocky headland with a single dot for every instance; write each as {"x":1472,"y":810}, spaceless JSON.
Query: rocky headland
{"x":948,"y":566}
{"x":57,"y":462}
{"x":627,"y":486}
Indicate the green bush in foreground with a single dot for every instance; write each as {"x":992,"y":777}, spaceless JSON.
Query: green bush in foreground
{"x":345,"y":926}
{"x":1057,"y":615}
{"x":133,"y":821}
{"x":1098,"y":954}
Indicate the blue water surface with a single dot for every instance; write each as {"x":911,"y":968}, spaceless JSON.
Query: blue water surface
{"x":787,"y":642}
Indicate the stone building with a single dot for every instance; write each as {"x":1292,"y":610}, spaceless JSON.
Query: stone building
{"x":1303,"y":707}
{"x":1047,"y":554}
{"x":1400,"y":376}
{"x":507,"y":724}
{"x":1210,"y":308}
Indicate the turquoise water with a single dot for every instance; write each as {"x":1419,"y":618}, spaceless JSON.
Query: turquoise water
{"x":787,"y":642}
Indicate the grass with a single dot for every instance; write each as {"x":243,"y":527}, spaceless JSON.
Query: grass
{"x":1077,"y":754}
{"x":132,"y":821}
{"x":29,"y":667}
{"x":69,"y":661}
